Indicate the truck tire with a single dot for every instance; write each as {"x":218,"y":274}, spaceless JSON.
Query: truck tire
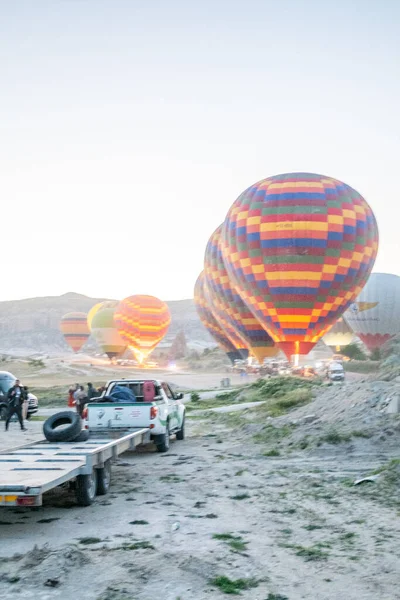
{"x":3,"y":413}
{"x":86,"y":488}
{"x":67,"y":434}
{"x":162,"y":441}
{"x":82,"y":437}
{"x":104,"y":478}
{"x":180,"y":435}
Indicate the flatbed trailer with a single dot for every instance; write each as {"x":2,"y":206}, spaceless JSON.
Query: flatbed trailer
{"x":30,"y":471}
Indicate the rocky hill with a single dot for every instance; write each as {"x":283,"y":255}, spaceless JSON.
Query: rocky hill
{"x":31,"y":325}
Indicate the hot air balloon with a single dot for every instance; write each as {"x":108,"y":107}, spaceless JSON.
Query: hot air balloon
{"x":210,"y":323}
{"x":142,"y":321}
{"x":230,"y":306}
{"x":299,"y":248}
{"x":105,"y":332}
{"x":339,"y":335}
{"x":74,"y":327}
{"x":92,"y":312}
{"x":375,"y":314}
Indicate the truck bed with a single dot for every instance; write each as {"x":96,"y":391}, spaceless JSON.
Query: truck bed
{"x":27,"y":473}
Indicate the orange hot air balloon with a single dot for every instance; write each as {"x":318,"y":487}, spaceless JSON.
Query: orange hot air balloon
{"x":210,"y":322}
{"x":229,"y":305}
{"x":299,"y":249}
{"x":142,"y":321}
{"x":75,"y":329}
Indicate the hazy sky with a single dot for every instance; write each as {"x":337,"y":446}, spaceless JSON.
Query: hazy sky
{"x":128,"y":127}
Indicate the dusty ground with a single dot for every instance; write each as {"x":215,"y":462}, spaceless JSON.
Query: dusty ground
{"x":293,"y":526}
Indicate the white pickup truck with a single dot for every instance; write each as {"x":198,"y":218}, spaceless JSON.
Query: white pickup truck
{"x":154,"y":405}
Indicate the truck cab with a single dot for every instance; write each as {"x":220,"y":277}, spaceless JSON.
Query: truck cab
{"x":136,"y":403}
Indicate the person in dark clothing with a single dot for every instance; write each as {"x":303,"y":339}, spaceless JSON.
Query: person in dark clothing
{"x":16,"y":397}
{"x":91,"y":391}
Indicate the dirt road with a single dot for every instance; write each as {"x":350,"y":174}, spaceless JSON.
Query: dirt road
{"x":212,"y":511}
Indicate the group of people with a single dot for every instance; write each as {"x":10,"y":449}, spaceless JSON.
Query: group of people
{"x":17,"y":398}
{"x":78,"y":396}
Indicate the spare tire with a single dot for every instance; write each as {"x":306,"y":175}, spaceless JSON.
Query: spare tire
{"x":67,"y":434}
{"x":82,"y":437}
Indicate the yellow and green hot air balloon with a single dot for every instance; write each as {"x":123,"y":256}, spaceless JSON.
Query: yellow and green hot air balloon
{"x":105,"y":333}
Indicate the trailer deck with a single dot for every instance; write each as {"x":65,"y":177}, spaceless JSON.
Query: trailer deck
{"x":28,"y":472}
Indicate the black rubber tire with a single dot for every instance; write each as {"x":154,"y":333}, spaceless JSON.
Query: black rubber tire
{"x":82,"y":437}
{"x":3,"y":413}
{"x":162,"y":441}
{"x":180,"y":435}
{"x":104,"y":478}
{"x":68,"y":434}
{"x":86,"y":488}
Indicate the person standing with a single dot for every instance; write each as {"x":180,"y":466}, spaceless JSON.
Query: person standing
{"x":91,"y":391}
{"x":80,"y":397}
{"x":16,"y":397}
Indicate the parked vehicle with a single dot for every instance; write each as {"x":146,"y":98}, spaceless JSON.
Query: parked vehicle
{"x":335,"y":371}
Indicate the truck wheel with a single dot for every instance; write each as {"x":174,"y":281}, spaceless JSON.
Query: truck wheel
{"x":104,"y":478}
{"x":86,"y":487}
{"x":67,"y":434}
{"x":3,"y":413}
{"x":162,"y":441}
{"x":180,"y":435}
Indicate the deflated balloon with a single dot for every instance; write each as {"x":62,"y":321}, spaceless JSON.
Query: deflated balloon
{"x":375,"y":314}
{"x":75,"y":329}
{"x":299,"y":248}
{"x":142,"y":321}
{"x":339,"y":335}
{"x":230,"y":306}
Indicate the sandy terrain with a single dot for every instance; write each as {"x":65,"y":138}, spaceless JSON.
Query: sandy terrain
{"x":293,"y":526}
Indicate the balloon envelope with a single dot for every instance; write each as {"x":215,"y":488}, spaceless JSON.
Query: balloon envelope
{"x":142,"y":321}
{"x":105,"y":332}
{"x":210,"y":322}
{"x":230,"y":305}
{"x":375,"y":314}
{"x":339,"y":335}
{"x":299,"y":248}
{"x":75,"y":329}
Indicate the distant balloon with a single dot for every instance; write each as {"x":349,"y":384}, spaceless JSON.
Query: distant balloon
{"x":74,"y":327}
{"x":210,"y":322}
{"x":339,"y":335}
{"x":229,"y":305}
{"x":299,"y":248}
{"x":375,"y":314}
{"x":142,"y":321}
{"x":105,"y":332}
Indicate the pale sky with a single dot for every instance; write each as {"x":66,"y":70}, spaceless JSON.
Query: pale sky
{"x":128,"y":128}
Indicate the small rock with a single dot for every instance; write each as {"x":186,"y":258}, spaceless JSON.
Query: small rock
{"x":52,"y":582}
{"x":370,"y":479}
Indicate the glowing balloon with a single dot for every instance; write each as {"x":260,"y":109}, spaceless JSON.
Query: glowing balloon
{"x":105,"y":332}
{"x":375,"y":315}
{"x":74,"y":327}
{"x":210,"y":322}
{"x":299,"y":248}
{"x":229,"y":305}
{"x":142,"y":321}
{"x":339,"y":335}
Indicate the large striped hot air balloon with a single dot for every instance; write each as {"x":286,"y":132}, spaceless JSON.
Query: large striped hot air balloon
{"x":299,"y":248}
{"x":142,"y":321}
{"x":210,"y":323}
{"x":105,"y":332}
{"x":229,"y":305}
{"x":375,"y":314}
{"x":74,"y":327}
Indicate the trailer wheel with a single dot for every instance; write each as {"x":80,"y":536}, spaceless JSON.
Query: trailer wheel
{"x":86,"y":487}
{"x":180,"y":435}
{"x":162,"y":441}
{"x":104,"y":478}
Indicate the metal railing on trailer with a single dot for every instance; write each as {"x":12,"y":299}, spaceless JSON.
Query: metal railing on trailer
{"x":30,"y":471}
